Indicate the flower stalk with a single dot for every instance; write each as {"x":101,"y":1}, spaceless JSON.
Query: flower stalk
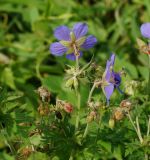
{"x":136,"y":128}
{"x":149,"y":77}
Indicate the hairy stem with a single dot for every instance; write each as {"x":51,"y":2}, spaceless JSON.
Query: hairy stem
{"x":78,"y":95}
{"x":148,"y":87}
{"x":78,"y":109}
{"x":86,"y":131}
{"x":148,"y":126}
{"x":136,"y":130}
{"x":91,"y":92}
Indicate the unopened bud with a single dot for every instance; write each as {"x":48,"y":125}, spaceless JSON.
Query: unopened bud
{"x":111,"y":123}
{"x":75,"y":83}
{"x":130,"y":87}
{"x":69,"y":82}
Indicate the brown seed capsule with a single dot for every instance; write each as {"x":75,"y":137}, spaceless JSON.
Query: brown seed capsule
{"x":25,"y":152}
{"x":44,"y":94}
{"x":118,"y":115}
{"x":68,"y":108}
{"x":126,"y":104}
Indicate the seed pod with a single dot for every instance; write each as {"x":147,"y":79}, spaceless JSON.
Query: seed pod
{"x":126,"y":105}
{"x":111,"y":123}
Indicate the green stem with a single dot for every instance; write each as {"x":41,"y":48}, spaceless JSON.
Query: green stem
{"x":148,"y":87}
{"x":78,"y":109}
{"x":136,"y":130}
{"x":86,"y":131}
{"x":91,"y":92}
{"x":148,"y":127}
{"x":78,"y":97}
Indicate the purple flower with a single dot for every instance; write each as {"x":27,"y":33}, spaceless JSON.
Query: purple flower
{"x":72,"y":41}
{"x":110,"y":79}
{"x":145,"y":30}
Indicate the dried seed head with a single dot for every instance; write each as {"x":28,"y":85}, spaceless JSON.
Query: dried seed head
{"x":44,"y":94}
{"x":126,"y":104}
{"x":118,"y":114}
{"x":26,"y":152}
{"x":68,"y":108}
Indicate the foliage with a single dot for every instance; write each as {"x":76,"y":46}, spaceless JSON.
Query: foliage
{"x":35,"y":128}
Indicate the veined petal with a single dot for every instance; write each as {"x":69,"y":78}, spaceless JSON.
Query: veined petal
{"x":108,"y":91}
{"x":57,"y":49}
{"x":72,"y":56}
{"x":80,"y":41}
{"x":145,"y":30}
{"x":62,"y":33}
{"x":89,"y":42}
{"x":80,"y":29}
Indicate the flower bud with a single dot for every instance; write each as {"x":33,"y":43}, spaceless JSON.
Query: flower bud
{"x":68,"y":108}
{"x":75,"y":83}
{"x":69,"y":82}
{"x":111,"y":123}
{"x":130,"y":87}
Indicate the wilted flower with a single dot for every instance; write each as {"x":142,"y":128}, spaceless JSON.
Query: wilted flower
{"x":145,"y":30}
{"x":126,"y":104}
{"x":110,"y":79}
{"x":44,"y":94}
{"x":72,"y":41}
{"x":68,"y":107}
{"x":118,"y":114}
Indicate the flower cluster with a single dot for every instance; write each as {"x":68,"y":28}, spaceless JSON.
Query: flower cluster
{"x":72,"y":41}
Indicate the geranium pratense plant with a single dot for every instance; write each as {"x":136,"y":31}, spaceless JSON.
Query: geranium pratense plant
{"x":72,"y":41}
